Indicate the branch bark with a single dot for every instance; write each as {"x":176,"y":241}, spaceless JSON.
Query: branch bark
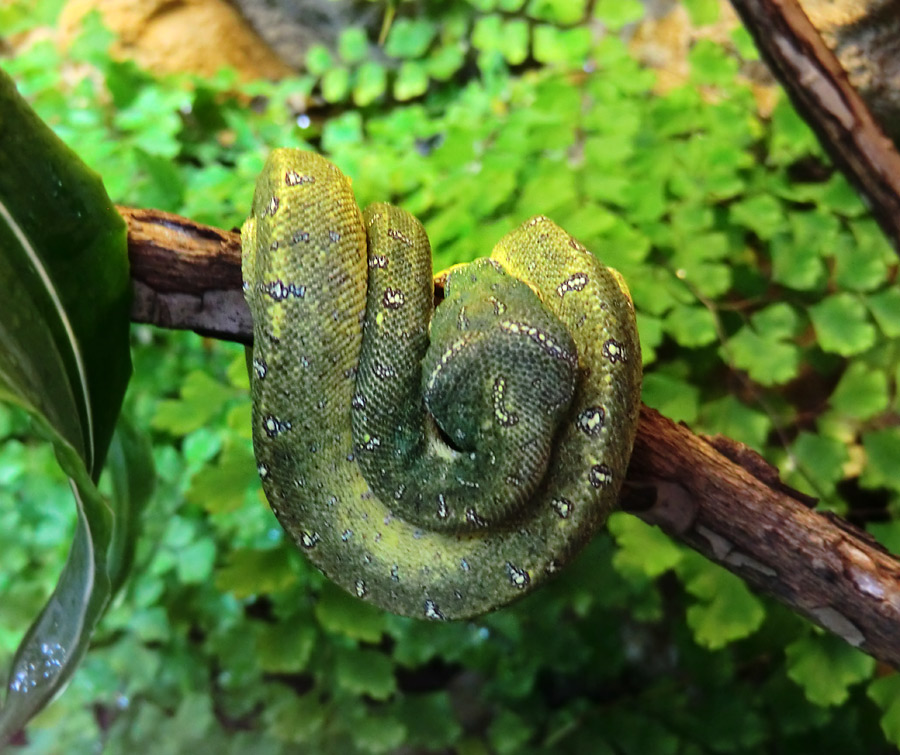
{"x":822,"y":93}
{"x":725,"y":501}
{"x":717,"y":496}
{"x":186,"y":275}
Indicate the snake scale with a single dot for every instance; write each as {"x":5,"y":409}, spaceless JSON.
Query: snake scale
{"x":439,"y":462}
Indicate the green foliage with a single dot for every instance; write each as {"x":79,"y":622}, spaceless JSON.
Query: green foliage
{"x":886,"y":692}
{"x":617,"y":13}
{"x":725,"y":610}
{"x":842,"y":324}
{"x":826,"y":666}
{"x":64,"y":361}
{"x":767,"y":313}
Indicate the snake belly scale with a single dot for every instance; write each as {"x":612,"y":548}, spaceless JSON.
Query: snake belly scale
{"x":437,"y":462}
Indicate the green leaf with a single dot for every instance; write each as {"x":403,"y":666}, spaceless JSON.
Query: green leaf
{"x":709,"y":279}
{"x":319,"y":60}
{"x":762,"y":214}
{"x":509,"y":733}
{"x":195,"y":561}
{"x":725,"y":610}
{"x":371,"y":82}
{"x":762,"y":350}
{"x":353,"y":44}
{"x":568,"y":47}
{"x":730,"y":417}
{"x":563,"y":12}
{"x":887,"y":533}
{"x":22,"y":16}
{"x":336,"y":84}
{"x":862,"y":392}
{"x":839,"y":196}
{"x":202,"y":398}
{"x":882,"y":449}
{"x":797,"y":265}
{"x":671,"y":396}
{"x":65,"y":360}
{"x":643,"y":549}
{"x":285,"y":647}
{"x":409,"y":38}
{"x":608,"y":150}
{"x":826,"y":667}
{"x":487,"y":33}
{"x":379,"y":734}
{"x":859,"y":266}
{"x":691,"y":326}
{"x":340,"y":613}
{"x":702,"y":12}
{"x":162,"y":184}
{"x":446,"y":61}
{"x":130,"y":467}
{"x":493,"y":33}
{"x":886,"y":694}
{"x":820,"y":458}
{"x":430,"y":720}
{"x":634,"y":731}
{"x":252,"y":571}
{"x":651,"y":334}
{"x":341,"y":131}
{"x":816,"y":228}
{"x":153,"y":120}
{"x":790,"y":137}
{"x":618,"y":13}
{"x":842,"y":324}
{"x":365,"y":672}
{"x":411,"y":81}
{"x":711,"y":64}
{"x":885,"y":307}
{"x":223,"y":486}
{"x":295,"y":719}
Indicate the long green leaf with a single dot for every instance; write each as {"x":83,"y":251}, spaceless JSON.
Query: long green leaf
{"x":64,"y":357}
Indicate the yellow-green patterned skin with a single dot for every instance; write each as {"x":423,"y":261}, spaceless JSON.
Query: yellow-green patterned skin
{"x":438,"y":463}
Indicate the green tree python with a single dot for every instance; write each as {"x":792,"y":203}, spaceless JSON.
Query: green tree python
{"x":439,"y":462}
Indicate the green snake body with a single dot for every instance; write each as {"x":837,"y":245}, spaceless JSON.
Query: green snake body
{"x":438,"y":463}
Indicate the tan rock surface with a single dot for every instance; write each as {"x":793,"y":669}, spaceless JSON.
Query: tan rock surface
{"x":200,"y":36}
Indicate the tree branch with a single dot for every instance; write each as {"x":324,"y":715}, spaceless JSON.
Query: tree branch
{"x":725,"y":501}
{"x":717,"y":496}
{"x":186,"y":275}
{"x":821,"y":92}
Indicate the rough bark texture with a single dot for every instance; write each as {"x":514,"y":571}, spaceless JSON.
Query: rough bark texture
{"x":726,"y":502}
{"x":186,"y":275}
{"x":717,"y":496}
{"x":865,"y":36}
{"x":821,"y":92}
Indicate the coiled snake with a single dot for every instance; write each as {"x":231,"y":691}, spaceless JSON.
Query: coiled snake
{"x":437,"y":462}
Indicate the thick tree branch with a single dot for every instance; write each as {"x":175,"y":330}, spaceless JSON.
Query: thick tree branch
{"x":186,"y":275}
{"x":821,"y":92}
{"x":726,"y":502}
{"x":718,"y":497}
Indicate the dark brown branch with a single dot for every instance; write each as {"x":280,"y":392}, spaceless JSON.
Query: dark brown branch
{"x":726,"y":502}
{"x":821,"y":92}
{"x":186,"y":275}
{"x":718,"y":497}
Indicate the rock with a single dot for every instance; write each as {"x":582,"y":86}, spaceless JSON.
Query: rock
{"x":200,"y":36}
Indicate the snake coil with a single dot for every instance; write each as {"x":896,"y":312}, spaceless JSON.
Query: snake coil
{"x":438,"y":462}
